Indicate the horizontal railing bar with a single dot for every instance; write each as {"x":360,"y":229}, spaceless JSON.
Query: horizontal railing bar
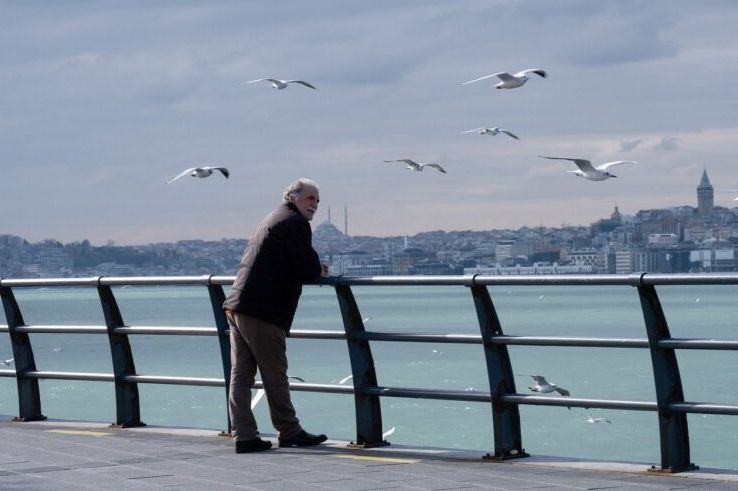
{"x":154,"y":280}
{"x":703,"y":408}
{"x":44,"y":374}
{"x":455,"y":395}
{"x":440,"y":280}
{"x":167,"y":331}
{"x":418,"y":337}
{"x":526,"y":399}
{"x":690,"y":279}
{"x":523,"y":399}
{"x":47,"y":282}
{"x":162,"y":330}
{"x":416,"y":393}
{"x":317,"y":334}
{"x":323,"y":388}
{"x":110,"y":281}
{"x":62,"y":329}
{"x":684,"y":343}
{"x":675,"y":343}
{"x":157,"y":379}
{"x":565,"y":279}
{"x":570,"y":341}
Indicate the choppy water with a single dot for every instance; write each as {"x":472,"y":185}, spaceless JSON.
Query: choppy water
{"x":704,"y":312}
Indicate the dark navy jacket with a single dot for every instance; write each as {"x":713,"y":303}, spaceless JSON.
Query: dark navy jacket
{"x":278,"y":260}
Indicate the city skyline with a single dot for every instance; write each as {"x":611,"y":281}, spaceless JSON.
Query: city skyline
{"x":102,"y":103}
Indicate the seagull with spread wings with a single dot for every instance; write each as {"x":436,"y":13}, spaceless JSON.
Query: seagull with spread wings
{"x":592,"y":419}
{"x":200,"y":172}
{"x":491,"y":131}
{"x":418,"y":166}
{"x":588,"y":171}
{"x":542,"y":385}
{"x":508,"y":81}
{"x":280,"y":84}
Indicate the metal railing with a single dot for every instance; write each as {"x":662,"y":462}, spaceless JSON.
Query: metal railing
{"x":670,"y":405}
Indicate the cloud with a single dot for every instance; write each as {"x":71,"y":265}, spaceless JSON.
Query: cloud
{"x":667,"y":144}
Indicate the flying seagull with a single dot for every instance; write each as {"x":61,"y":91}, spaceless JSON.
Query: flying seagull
{"x":587,"y":171}
{"x":345,"y":379}
{"x":508,"y":81}
{"x":592,"y":419}
{"x":257,"y":397}
{"x":418,"y":166}
{"x":7,"y":362}
{"x":260,"y":392}
{"x":200,"y":172}
{"x":280,"y":84}
{"x":490,"y":131}
{"x":543,"y":386}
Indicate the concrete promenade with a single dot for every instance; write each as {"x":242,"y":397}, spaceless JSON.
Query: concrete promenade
{"x":63,"y":455}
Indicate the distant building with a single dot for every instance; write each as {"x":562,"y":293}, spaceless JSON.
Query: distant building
{"x":623,"y":262}
{"x":341,"y":263}
{"x":662,"y":239}
{"x":705,"y":200}
{"x":504,"y":249}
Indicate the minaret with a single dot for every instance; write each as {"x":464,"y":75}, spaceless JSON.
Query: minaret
{"x":704,"y":195}
{"x":345,"y":220}
{"x":329,"y":214}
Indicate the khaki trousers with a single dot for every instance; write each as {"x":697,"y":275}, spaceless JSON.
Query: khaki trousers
{"x":258,"y":344}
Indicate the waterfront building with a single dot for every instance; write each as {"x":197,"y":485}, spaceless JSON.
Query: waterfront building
{"x":341,"y":263}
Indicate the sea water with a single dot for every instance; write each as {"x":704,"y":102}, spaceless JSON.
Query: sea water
{"x":586,"y":311}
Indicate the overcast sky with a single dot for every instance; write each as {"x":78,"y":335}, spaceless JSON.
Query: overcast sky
{"x":101,"y":102}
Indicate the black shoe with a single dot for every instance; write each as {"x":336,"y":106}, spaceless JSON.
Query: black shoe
{"x":253,"y":445}
{"x":302,"y":439}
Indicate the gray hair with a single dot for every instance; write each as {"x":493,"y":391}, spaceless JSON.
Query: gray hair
{"x":295,"y":188}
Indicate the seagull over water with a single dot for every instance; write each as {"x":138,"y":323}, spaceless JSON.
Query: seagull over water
{"x":592,"y":419}
{"x":200,"y":172}
{"x":259,"y":394}
{"x":508,"y":81}
{"x":418,"y":166}
{"x":280,"y":84}
{"x":490,"y":131}
{"x":588,"y":171}
{"x":544,"y":386}
{"x":7,"y":362}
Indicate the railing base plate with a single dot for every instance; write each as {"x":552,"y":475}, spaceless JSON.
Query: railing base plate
{"x":673,"y":470}
{"x":25,"y":419}
{"x":383,"y":443}
{"x":511,"y":454}
{"x":127,"y":425}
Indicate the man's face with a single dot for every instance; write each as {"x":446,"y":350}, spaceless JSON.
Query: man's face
{"x":307,"y":201}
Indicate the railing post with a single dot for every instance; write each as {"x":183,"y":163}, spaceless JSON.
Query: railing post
{"x":127,"y":404}
{"x":505,"y":416}
{"x":29,"y":397}
{"x":668,"y":383}
{"x":217,"y":297}
{"x":368,"y":410}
